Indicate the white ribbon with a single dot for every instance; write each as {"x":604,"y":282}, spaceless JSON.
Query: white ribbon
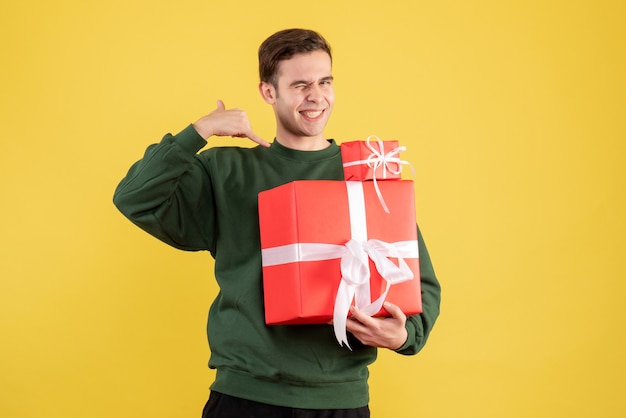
{"x":378,"y":159}
{"x":355,"y":280}
{"x":294,"y":253}
{"x":355,"y":255}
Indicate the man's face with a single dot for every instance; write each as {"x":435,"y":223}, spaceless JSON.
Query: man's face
{"x":304,"y":96}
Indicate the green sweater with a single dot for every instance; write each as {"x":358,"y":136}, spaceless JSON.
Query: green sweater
{"x":208,"y":201}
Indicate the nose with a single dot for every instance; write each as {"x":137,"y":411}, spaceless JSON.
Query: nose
{"x":315,"y":94}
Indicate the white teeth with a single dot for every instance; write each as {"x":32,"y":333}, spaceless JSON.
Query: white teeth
{"x":312,"y":114}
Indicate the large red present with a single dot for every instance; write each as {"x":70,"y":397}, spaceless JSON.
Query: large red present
{"x":372,"y":159}
{"x":328,"y":244}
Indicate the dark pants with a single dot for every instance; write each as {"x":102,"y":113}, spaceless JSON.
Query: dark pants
{"x":225,"y":406}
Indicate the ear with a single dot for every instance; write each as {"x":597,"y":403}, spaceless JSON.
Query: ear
{"x":268,"y":92}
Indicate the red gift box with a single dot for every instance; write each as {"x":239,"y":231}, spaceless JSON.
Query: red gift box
{"x":319,"y":238}
{"x":371,"y":160}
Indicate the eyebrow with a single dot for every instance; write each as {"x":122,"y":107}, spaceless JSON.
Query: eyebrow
{"x":308,"y":83}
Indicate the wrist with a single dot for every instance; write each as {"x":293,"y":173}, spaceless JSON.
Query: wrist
{"x":202,"y":130}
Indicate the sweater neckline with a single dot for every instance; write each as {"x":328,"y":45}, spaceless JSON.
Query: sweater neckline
{"x":297,"y":155}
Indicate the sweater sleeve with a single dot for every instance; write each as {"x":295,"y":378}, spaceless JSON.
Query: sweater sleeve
{"x":168,"y":193}
{"x":419,"y":326}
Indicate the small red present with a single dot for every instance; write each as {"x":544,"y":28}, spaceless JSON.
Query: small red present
{"x":372,"y":159}
{"x":328,"y":244}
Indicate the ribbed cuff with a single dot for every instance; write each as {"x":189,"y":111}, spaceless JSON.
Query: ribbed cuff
{"x":190,"y":140}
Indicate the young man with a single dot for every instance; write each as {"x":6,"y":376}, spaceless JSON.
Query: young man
{"x":208,"y":201}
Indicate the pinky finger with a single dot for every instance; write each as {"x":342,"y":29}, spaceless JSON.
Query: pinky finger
{"x":258,"y":140}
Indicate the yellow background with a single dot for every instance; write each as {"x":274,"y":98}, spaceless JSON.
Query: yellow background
{"x":513,"y":114}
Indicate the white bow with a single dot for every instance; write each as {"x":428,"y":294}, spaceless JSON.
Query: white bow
{"x":355,"y":279}
{"x":378,"y":159}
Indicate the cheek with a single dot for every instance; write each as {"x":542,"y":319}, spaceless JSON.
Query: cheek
{"x":330,"y":96}
{"x":292,"y":102}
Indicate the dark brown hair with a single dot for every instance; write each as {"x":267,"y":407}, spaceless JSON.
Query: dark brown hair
{"x":285,"y":44}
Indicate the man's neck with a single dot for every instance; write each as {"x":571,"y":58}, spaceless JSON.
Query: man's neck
{"x":303,"y":143}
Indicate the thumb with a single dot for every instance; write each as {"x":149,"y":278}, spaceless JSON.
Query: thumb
{"x":394,"y":310}
{"x":220,"y":105}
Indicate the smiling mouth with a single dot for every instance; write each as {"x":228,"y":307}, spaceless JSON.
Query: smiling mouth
{"x":312,"y":114}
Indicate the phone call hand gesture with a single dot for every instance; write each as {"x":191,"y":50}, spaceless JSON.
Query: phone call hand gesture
{"x":227,"y":122}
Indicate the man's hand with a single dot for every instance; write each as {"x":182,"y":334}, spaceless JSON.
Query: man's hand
{"x":379,"y":332}
{"x":227,"y":122}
